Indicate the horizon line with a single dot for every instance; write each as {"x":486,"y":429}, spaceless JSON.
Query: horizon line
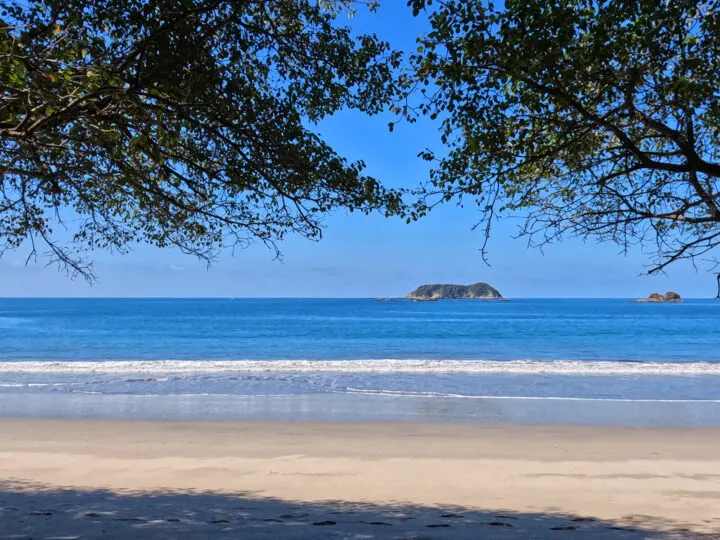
{"x":130,"y":297}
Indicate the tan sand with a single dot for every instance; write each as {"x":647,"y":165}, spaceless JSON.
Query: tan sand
{"x":515,"y":481}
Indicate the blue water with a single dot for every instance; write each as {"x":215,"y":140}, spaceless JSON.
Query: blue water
{"x":587,"y":349}
{"x":274,"y":329}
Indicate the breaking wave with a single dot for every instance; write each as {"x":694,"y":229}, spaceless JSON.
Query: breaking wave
{"x":529,"y":367}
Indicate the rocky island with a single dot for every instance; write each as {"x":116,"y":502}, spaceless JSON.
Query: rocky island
{"x":477,"y":291}
{"x":668,"y":297}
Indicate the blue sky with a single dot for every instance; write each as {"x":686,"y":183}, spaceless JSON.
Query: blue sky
{"x":371,"y":255}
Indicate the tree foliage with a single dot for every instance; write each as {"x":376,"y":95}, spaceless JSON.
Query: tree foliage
{"x":598,"y":119}
{"x":181,"y":123}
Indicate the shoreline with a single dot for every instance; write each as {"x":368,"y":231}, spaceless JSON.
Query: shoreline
{"x":146,"y":479}
{"x":360,"y":408}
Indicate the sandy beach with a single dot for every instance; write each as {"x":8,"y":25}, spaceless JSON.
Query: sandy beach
{"x":122,"y":479}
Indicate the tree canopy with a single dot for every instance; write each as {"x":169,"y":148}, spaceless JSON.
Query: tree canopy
{"x":183,"y":123}
{"x":592,"y":118}
{"x":190,"y":123}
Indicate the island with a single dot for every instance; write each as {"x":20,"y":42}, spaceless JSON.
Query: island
{"x":476,"y":291}
{"x":668,"y":297}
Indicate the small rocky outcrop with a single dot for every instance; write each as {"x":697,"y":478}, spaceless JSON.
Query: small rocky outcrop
{"x":668,"y":297}
{"x":476,"y":291}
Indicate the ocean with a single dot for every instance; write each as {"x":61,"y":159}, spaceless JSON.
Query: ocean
{"x":396,"y":354}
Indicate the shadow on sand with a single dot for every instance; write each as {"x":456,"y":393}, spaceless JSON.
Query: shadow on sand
{"x":29,"y":511}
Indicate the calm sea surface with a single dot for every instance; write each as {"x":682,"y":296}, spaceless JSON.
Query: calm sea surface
{"x":580,"y":349}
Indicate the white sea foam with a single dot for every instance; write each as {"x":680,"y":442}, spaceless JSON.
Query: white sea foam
{"x":419,"y":394}
{"x":529,"y":367}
